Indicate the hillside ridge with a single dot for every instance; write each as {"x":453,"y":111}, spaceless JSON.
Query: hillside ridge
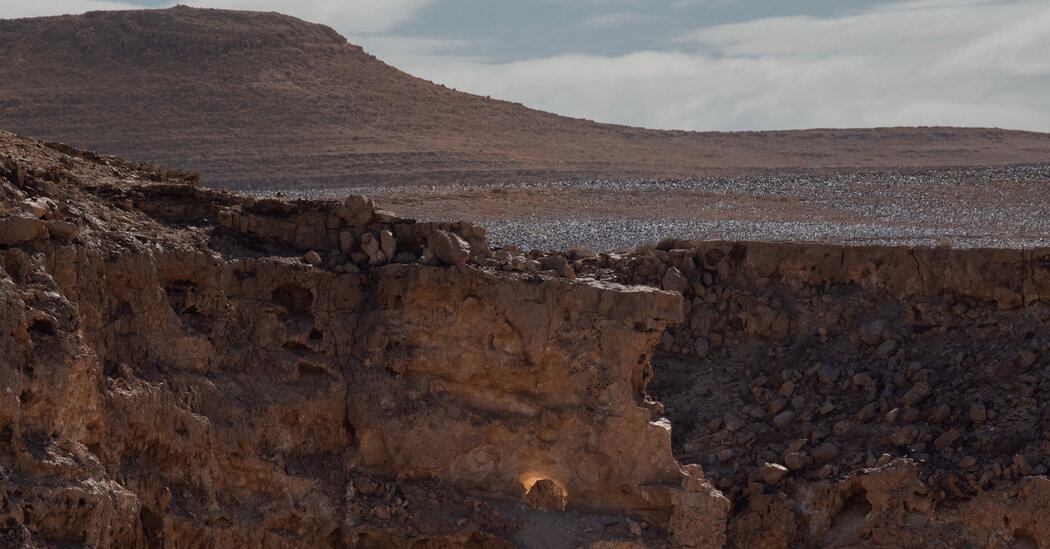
{"x":264,"y":100}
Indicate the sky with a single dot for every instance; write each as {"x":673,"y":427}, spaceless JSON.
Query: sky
{"x":703,"y":64}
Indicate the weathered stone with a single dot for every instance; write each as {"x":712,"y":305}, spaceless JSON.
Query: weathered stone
{"x":886,"y":349}
{"x":946,"y":439}
{"x":1006,"y":299}
{"x":940,"y":413}
{"x":917,"y":394}
{"x":387,"y":243}
{"x":769,"y":473}
{"x":867,"y":412}
{"x":313,"y":258}
{"x":828,"y":373}
{"x":825,"y":452}
{"x":359,"y":211}
{"x":17,"y":229}
{"x":702,"y":347}
{"x":546,"y":494}
{"x":874,"y":332}
{"x":977,"y":412}
{"x":449,"y":248}
{"x":675,"y":281}
{"x":558,"y":264}
{"x":63,"y":229}
{"x":347,"y":244}
{"x":371,"y":247}
{"x":732,"y":422}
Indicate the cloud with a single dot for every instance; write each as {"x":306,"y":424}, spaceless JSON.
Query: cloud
{"x":616,"y":19}
{"x":927,"y":62}
{"x":13,"y":9}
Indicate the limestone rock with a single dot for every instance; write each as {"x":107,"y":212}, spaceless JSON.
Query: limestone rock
{"x":387,"y":243}
{"x":358,"y":211}
{"x":448,"y":247}
{"x":675,"y":281}
{"x":371,"y":247}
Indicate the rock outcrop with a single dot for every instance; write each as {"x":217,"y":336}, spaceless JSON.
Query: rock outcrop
{"x":185,"y":366}
{"x":901,"y":382}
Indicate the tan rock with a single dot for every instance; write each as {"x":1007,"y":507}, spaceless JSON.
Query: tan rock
{"x":449,"y":248}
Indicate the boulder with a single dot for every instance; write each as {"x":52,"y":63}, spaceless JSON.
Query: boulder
{"x":448,"y":247}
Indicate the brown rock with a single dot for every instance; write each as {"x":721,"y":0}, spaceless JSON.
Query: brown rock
{"x":359,"y":210}
{"x":558,"y":264}
{"x":867,"y":412}
{"x":1006,"y":298}
{"x":768,"y":473}
{"x":450,"y":249}
{"x":977,"y":412}
{"x":1022,"y":465}
{"x":940,"y":413}
{"x":371,"y":247}
{"x":874,"y":332}
{"x":886,"y":349}
{"x":946,"y":439}
{"x":785,"y":418}
{"x":675,"y":281}
{"x":63,"y":229}
{"x":313,"y":258}
{"x":546,"y":494}
{"x":387,"y":243}
{"x":825,"y":452}
{"x":18,"y":229}
{"x":917,"y":394}
{"x":347,"y":244}
{"x":794,"y":460}
{"x":702,"y":347}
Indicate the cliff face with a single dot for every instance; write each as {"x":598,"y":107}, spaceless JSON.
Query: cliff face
{"x":171,"y":379}
{"x":859,"y":396}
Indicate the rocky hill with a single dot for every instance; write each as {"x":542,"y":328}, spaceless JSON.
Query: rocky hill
{"x":262,"y":100}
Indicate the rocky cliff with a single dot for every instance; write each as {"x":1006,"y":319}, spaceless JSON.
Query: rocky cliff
{"x":190,"y":367}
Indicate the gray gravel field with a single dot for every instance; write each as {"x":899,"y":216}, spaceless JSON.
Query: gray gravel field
{"x":980,"y":207}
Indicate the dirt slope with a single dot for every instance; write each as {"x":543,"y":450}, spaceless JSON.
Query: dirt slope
{"x":265,"y":100}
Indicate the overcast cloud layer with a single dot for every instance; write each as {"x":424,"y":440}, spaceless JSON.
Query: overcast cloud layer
{"x":665,"y":64}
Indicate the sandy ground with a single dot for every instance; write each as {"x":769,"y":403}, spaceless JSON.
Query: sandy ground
{"x":980,"y":207}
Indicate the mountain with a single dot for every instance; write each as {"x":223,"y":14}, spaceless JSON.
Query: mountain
{"x":263,"y":100}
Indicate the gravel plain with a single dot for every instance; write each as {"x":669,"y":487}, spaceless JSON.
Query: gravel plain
{"x":1001,"y":207}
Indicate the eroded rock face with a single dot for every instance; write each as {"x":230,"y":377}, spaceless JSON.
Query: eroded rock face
{"x":193,"y":366}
